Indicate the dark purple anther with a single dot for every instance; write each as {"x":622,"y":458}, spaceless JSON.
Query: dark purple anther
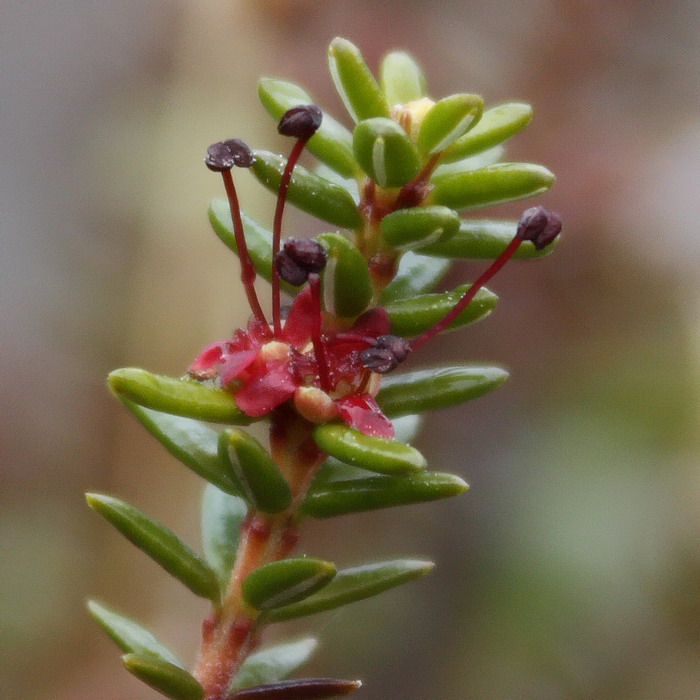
{"x":224,"y":155}
{"x":219,"y":157}
{"x":399,"y":347}
{"x":289,"y":270}
{"x":389,"y":352}
{"x":306,"y":252}
{"x":300,"y":122}
{"x":299,"y":258}
{"x":539,"y":226}
{"x":379,"y":360}
{"x":242,"y":155}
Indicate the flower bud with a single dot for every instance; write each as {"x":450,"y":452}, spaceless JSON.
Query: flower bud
{"x":300,"y":122}
{"x":539,"y":225}
{"x":224,"y":155}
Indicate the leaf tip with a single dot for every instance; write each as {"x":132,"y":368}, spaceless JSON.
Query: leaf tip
{"x":95,"y":500}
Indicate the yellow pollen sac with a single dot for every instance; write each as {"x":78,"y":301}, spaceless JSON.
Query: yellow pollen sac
{"x":410,"y":116}
{"x":314,"y":404}
{"x":374,"y":384}
{"x":274,"y":350}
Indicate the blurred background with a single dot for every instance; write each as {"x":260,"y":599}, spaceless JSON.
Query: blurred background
{"x":572,"y":567}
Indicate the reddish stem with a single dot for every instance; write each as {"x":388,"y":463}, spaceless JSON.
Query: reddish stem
{"x":247,"y":269}
{"x":451,"y":315}
{"x":230,"y":634}
{"x":412,"y":193}
{"x":277,"y":232}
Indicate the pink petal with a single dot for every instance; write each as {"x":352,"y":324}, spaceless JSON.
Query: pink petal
{"x":258,"y":332}
{"x":361,"y":411}
{"x":234,"y":364}
{"x":207,"y":362}
{"x":373,"y":323}
{"x":269,"y":389}
{"x":300,"y":322}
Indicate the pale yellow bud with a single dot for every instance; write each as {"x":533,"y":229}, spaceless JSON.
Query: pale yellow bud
{"x":314,"y":404}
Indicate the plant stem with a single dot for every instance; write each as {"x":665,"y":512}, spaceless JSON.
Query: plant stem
{"x":230,"y":634}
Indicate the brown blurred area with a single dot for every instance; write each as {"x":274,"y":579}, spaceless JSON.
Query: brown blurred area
{"x":572,"y":568}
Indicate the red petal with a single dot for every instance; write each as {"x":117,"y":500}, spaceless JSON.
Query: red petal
{"x":207,"y":362}
{"x":234,"y":364}
{"x":258,"y":332}
{"x":360,"y":411}
{"x":267,"y":390}
{"x":373,"y":323}
{"x":300,"y":322}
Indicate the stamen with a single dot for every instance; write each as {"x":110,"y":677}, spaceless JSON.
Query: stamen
{"x":537,"y":225}
{"x":301,"y":122}
{"x":319,"y":347}
{"x":362,"y":388}
{"x":387,"y":354}
{"x":350,"y":337}
{"x":298,"y":258}
{"x":222,"y":157}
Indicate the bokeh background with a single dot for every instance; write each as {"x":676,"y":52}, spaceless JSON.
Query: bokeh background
{"x":571,"y":570}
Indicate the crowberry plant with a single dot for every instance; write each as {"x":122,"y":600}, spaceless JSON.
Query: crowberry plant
{"x":323,"y":372}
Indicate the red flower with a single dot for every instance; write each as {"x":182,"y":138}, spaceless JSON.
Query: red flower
{"x":265,"y":371}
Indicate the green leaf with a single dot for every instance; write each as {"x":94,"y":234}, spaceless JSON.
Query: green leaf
{"x":160,"y":543}
{"x":347,"y":184}
{"x":410,"y":317}
{"x":485,"y":239}
{"x":286,"y":582}
{"x":374,"y":453}
{"x":129,"y":635}
{"x":328,"y":499}
{"x":275,"y":663}
{"x":222,"y":519}
{"x":503,"y":182}
{"x":495,"y":126}
{"x":307,"y":191}
{"x":183,"y":397}
{"x":401,"y":78}
{"x":258,"y":239}
{"x":354,"y":584}
{"x":476,"y":162}
{"x":385,"y":153}
{"x":166,"y":678}
{"x":347,"y":285}
{"x":418,"y":227}
{"x":406,"y":427}
{"x":252,"y":467}
{"x":416,"y":274}
{"x":332,"y":143}
{"x":439,"y":387}
{"x":333,"y":469}
{"x":300,"y":689}
{"x":192,"y":442}
{"x":448,"y":120}
{"x":354,"y":81}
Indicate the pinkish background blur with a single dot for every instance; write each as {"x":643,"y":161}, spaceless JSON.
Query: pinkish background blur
{"x":572,"y":568}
